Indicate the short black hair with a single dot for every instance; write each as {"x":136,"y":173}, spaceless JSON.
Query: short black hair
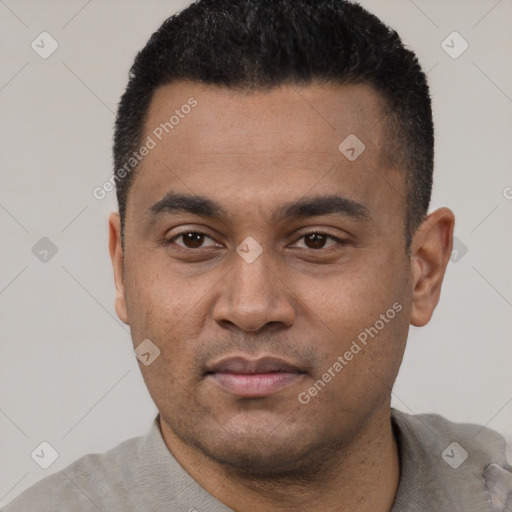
{"x":260,"y":44}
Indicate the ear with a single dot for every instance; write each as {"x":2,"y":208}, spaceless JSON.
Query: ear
{"x":431,"y":249}
{"x":116,"y":254}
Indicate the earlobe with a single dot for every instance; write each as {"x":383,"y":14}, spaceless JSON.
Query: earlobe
{"x":116,"y":255}
{"x":431,"y":250}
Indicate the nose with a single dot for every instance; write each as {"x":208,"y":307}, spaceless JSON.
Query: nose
{"x":254,"y":296}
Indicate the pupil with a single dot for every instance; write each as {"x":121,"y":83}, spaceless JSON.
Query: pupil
{"x":193,"y":240}
{"x":317,"y":241}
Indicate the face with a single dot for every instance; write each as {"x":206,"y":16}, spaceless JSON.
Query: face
{"x":257,"y":256}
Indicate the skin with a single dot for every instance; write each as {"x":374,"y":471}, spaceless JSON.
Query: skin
{"x":306,"y":303}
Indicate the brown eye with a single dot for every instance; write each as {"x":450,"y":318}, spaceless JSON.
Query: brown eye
{"x":318,"y":241}
{"x":315,"y":240}
{"x":191,"y":240}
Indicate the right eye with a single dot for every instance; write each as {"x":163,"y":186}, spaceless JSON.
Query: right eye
{"x":190,"y":240}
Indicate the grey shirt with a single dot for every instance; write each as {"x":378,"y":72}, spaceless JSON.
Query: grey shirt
{"x":444,"y":467}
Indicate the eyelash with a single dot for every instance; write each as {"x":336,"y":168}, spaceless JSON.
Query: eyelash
{"x":169,"y":241}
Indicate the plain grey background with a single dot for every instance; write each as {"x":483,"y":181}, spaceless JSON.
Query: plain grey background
{"x":68,"y":375}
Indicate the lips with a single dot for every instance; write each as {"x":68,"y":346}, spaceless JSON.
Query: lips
{"x":245,"y":377}
{"x":248,"y":366}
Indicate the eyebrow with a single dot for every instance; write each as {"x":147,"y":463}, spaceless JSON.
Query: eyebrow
{"x":174,"y":202}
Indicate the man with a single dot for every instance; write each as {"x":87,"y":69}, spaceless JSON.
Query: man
{"x":273,"y":164}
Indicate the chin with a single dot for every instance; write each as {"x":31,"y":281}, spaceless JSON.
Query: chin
{"x":259,"y":452}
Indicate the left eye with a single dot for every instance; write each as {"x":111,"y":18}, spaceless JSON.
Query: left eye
{"x":318,"y":240}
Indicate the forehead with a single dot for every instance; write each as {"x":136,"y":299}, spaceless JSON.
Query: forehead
{"x":310,"y":118}
{"x":261,"y":146}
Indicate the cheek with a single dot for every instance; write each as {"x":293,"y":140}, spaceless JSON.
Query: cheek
{"x":352,"y":297}
{"x":158,"y":296}
{"x":360,"y":314}
{"x":171,"y":311}
{"x":359,"y":362}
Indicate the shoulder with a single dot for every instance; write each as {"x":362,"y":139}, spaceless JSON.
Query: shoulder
{"x":467,"y":460}
{"x":433,"y":430}
{"x":91,"y":483}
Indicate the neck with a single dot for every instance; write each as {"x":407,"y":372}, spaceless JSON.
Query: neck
{"x":363,"y":476}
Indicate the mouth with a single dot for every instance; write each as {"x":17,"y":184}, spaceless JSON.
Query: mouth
{"x":254,"y":377}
